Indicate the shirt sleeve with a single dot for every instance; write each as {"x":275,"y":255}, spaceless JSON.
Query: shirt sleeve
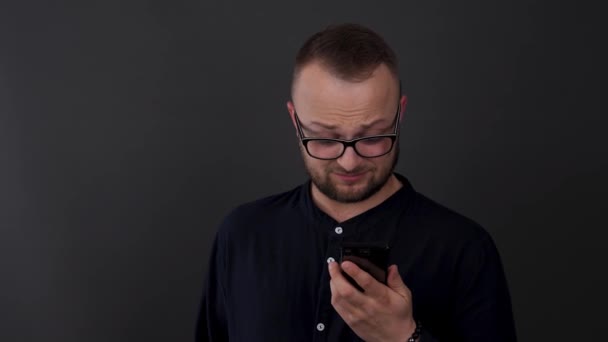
{"x":212,"y":321}
{"x":426,"y":336}
{"x":482,"y":304}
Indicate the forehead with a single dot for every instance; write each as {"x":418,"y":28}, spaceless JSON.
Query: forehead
{"x":320,"y":96}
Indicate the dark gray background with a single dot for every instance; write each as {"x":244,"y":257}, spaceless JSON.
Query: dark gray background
{"x":128,"y":129}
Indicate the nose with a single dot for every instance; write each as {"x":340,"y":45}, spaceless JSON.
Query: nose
{"x":349,"y":160}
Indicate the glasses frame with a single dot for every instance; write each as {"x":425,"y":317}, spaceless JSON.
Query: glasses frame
{"x":352,"y":142}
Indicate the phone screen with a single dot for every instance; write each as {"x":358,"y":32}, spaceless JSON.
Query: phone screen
{"x":372,"y":258}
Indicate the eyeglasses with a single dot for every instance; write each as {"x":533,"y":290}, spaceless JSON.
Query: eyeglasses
{"x":367,"y":147}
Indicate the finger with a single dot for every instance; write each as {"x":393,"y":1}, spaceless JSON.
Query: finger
{"x":371,"y":286}
{"x":334,"y":270}
{"x":395,"y":282}
{"x":369,"y":267}
{"x":336,"y":273}
{"x":350,"y":313}
{"x":344,"y":290}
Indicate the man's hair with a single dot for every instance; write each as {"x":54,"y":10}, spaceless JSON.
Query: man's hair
{"x":350,"y":52}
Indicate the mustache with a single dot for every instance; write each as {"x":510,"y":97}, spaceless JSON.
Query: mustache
{"x":349,"y":173}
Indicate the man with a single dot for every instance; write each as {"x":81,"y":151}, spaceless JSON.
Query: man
{"x":273,"y":274}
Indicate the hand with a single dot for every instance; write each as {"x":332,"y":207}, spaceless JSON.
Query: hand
{"x":368,"y":266}
{"x":381,"y":313}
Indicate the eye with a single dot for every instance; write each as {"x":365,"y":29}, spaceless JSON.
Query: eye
{"x":325,"y":142}
{"x":373,"y":140}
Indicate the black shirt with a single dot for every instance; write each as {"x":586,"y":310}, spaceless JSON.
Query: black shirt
{"x":268,"y":280}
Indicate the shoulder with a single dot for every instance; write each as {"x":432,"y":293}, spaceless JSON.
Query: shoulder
{"x":442,"y":222}
{"x":262,"y":210}
{"x":457,"y":239}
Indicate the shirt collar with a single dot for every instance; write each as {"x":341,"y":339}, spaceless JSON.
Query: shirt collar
{"x":400,"y":201}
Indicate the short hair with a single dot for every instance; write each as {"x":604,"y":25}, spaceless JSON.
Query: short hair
{"x":349,"y":51}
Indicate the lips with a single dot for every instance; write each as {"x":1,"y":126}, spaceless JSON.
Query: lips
{"x":350,"y":177}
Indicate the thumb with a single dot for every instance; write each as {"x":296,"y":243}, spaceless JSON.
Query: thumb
{"x":396,"y":283}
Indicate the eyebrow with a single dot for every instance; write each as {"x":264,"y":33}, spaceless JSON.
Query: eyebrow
{"x":331,"y":127}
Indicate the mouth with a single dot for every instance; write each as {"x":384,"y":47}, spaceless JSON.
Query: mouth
{"x":349,"y":177}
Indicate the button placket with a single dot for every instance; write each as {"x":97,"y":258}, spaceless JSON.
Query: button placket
{"x":325,"y":309}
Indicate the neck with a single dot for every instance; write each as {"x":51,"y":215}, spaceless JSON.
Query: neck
{"x":343,"y":211}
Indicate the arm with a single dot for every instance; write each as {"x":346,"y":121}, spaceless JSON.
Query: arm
{"x":212,"y":321}
{"x":482,"y":304}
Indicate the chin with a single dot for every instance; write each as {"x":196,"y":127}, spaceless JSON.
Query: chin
{"x":352,"y":192}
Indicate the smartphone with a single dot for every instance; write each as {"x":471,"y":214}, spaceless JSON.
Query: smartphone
{"x":370,"y":257}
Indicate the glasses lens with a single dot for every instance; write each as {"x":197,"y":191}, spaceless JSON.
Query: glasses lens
{"x":374,"y":146}
{"x":325,"y":149}
{"x":368,"y":147}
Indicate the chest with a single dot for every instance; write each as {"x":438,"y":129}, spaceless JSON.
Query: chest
{"x":273,"y":285}
{"x":278,"y":283}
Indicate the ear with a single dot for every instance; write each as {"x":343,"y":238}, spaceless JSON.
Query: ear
{"x":292,"y":110}
{"x":403,"y":103}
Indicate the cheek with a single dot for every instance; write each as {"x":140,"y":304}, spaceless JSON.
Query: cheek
{"x":316,"y":165}
{"x":321,"y":166}
{"x":383,"y":162}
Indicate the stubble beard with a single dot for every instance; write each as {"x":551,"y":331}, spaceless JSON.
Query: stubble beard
{"x":321,"y":179}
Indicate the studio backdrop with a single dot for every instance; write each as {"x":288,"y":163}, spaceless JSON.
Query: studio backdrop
{"x":128,"y":129}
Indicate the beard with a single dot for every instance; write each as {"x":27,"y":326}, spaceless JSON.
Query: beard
{"x":320,"y":177}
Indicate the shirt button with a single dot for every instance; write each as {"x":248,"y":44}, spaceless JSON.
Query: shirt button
{"x":330,"y":259}
{"x":338,"y":230}
{"x":320,"y":326}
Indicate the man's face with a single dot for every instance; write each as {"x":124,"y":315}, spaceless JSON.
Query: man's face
{"x":328,"y":107}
